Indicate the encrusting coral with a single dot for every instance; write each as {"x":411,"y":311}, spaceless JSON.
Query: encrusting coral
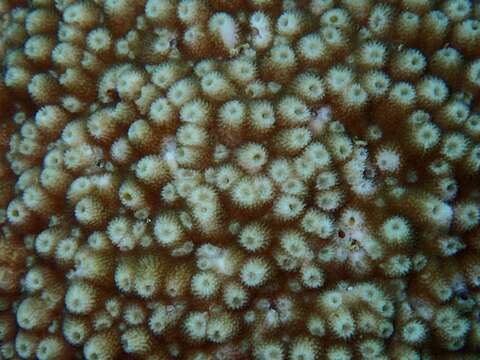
{"x":252,"y":179}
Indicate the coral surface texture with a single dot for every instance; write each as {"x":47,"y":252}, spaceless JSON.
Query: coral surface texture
{"x":240,"y":179}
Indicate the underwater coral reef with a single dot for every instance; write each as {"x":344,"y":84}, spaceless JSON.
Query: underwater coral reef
{"x":251,"y":179}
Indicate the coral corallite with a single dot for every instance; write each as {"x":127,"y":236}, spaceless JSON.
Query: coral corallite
{"x":248,"y":179}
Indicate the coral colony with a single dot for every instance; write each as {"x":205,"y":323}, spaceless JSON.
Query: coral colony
{"x":251,"y":179}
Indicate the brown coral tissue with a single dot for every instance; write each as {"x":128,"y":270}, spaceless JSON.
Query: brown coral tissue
{"x":240,"y":179}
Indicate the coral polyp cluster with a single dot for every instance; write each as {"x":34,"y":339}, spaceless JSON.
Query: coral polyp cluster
{"x":255,"y":179}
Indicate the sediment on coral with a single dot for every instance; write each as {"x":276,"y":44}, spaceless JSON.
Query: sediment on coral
{"x":253,"y":179}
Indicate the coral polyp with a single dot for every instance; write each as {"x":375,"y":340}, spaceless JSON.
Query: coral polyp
{"x":252,"y":179}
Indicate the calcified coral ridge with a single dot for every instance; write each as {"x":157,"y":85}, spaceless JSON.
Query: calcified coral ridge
{"x":252,"y":179}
